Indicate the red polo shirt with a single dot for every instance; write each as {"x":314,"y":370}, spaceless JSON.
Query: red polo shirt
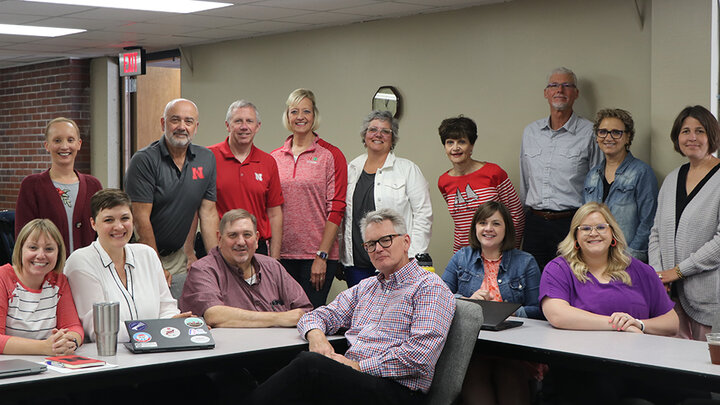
{"x":253,"y":185}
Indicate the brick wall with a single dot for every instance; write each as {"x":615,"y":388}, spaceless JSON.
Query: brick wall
{"x":30,"y":96}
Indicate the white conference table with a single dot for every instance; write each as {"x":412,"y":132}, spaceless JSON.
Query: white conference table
{"x":630,"y":354}
{"x":231,"y":345}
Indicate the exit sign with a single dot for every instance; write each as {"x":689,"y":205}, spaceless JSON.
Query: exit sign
{"x":132,"y":62}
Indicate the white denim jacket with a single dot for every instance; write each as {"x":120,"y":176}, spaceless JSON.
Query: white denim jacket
{"x":400,"y":185}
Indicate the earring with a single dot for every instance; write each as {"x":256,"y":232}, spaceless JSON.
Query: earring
{"x":577,"y":245}
{"x":614,"y":242}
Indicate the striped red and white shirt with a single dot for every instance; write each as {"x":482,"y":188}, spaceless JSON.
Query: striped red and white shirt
{"x":32,"y":314}
{"x":397,"y":325}
{"x":464,"y":194}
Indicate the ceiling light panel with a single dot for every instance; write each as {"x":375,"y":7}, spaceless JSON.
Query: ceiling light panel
{"x":167,"y":6}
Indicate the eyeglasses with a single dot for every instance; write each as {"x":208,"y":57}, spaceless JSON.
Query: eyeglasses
{"x":375,"y":130}
{"x":614,"y":133}
{"x":563,"y":85}
{"x":385,"y":242}
{"x":600,"y":228}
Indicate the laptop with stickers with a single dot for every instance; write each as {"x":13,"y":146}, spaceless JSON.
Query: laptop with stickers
{"x":165,"y":335}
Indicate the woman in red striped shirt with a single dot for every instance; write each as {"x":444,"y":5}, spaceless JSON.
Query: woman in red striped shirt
{"x":470,"y":182}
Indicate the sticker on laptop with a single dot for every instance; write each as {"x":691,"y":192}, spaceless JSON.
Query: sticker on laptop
{"x":170,"y":332}
{"x":193,"y":332}
{"x":194,"y":322}
{"x":145,"y":345}
{"x":200,"y":339}
{"x":138,"y":326}
{"x":142,"y":337}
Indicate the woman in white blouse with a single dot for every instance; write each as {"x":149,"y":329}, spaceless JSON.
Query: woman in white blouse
{"x":111,"y":269}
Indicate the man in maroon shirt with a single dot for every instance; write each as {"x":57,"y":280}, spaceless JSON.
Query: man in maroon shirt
{"x":234,"y":287}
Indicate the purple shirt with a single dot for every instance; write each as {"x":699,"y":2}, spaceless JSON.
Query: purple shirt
{"x":211,"y":281}
{"x":397,"y":326}
{"x":645,"y":299}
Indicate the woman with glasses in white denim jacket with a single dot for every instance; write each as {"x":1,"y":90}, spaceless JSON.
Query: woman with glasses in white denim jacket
{"x":378,"y":179}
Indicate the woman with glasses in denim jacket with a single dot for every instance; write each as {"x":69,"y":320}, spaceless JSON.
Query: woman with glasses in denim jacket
{"x":627,"y":185}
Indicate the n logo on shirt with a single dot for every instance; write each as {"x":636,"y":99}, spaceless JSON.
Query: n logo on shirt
{"x":258,"y":176}
{"x":197,"y":173}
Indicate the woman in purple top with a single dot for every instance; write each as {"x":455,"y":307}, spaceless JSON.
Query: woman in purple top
{"x":595,"y":285}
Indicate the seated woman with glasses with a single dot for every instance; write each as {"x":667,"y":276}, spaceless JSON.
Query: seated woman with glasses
{"x":595,"y":285}
{"x":626,"y":184}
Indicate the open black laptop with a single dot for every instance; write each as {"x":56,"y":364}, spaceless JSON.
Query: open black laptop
{"x":16,"y":367}
{"x":165,"y":335}
{"x":495,"y":314}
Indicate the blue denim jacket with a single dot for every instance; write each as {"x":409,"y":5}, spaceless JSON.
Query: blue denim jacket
{"x":632,"y":200}
{"x":518,"y":278}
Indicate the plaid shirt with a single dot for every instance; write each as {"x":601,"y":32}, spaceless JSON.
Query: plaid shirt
{"x":397,"y":326}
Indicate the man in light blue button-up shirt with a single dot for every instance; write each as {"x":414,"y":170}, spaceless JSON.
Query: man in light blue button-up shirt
{"x":557,"y":153}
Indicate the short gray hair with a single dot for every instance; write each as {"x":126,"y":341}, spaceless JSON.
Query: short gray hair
{"x":384,"y":214}
{"x":241,"y":104}
{"x":563,"y":71}
{"x":233,"y":215}
{"x":385,"y":116}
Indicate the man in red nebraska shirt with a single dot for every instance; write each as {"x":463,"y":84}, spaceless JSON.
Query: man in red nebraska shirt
{"x":248,"y":177}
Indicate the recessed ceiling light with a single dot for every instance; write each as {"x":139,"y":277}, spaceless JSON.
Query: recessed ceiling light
{"x":167,"y":6}
{"x":36,"y":31}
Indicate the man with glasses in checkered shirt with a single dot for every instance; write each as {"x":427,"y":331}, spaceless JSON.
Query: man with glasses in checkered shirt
{"x":397,"y":324}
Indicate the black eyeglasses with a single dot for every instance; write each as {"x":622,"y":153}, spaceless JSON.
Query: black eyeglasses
{"x":385,"y":242}
{"x":614,"y":133}
{"x":558,"y":85}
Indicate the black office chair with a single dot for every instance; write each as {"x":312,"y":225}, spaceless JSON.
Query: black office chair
{"x":7,"y":236}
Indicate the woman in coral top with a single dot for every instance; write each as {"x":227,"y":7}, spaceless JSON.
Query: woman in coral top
{"x":60,"y":193}
{"x":313,"y":178}
{"x":37,"y":312}
{"x":471,"y":182}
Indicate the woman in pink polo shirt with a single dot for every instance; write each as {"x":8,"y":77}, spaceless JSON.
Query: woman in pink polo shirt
{"x":313,"y":177}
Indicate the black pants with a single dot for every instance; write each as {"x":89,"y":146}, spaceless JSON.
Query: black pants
{"x":300,"y":270}
{"x":543,"y":235}
{"x":312,"y":378}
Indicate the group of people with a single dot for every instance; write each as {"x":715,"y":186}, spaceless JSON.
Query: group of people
{"x":588,"y":217}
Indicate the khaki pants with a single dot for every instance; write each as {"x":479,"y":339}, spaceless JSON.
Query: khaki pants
{"x":176,"y":264}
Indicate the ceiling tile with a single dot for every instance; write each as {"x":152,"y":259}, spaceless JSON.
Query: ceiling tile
{"x":316,"y":5}
{"x":272,"y":26}
{"x":82,"y":23}
{"x":321,"y":18}
{"x":386,"y":9}
{"x":255,"y":12}
{"x":120,"y":15}
{"x":32,"y":8}
{"x":196,"y":20}
{"x":7,"y":18}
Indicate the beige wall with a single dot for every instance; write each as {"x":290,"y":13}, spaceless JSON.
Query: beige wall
{"x":488,"y":63}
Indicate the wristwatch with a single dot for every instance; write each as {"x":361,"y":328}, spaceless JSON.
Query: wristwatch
{"x":321,"y":254}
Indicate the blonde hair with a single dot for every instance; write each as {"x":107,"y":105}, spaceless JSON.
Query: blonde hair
{"x":294,"y":99}
{"x":60,"y":120}
{"x":33,"y":229}
{"x":618,"y":260}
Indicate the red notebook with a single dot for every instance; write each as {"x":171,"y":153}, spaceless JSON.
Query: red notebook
{"x":73,"y":361}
